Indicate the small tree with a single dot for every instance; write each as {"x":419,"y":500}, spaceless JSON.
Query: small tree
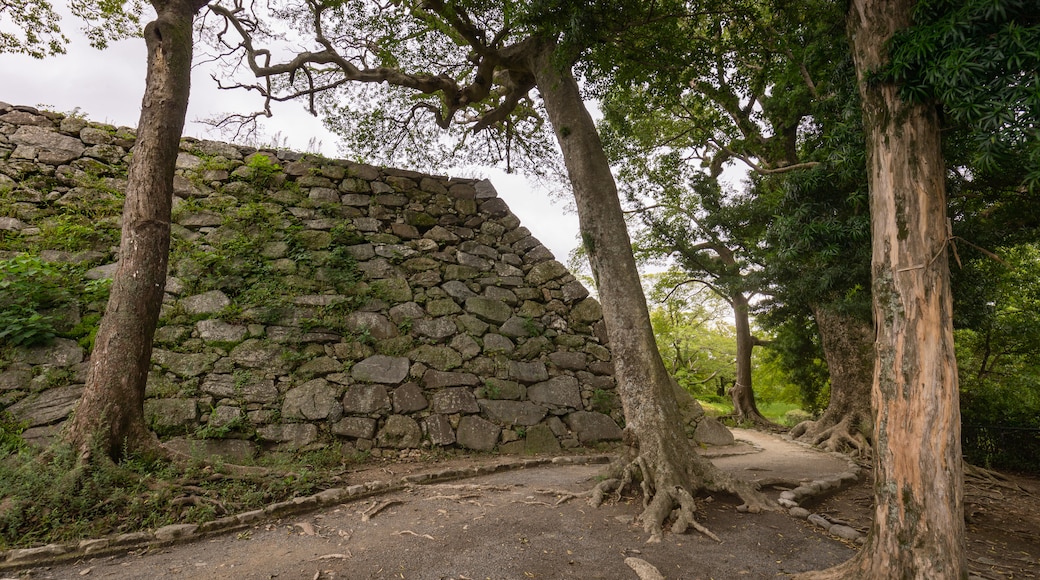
{"x":110,"y":416}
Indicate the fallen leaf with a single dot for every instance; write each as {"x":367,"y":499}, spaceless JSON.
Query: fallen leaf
{"x":306,"y":528}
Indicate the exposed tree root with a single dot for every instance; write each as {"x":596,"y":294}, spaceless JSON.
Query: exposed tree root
{"x":376,"y":508}
{"x":665,"y":495}
{"x":835,"y":437}
{"x":757,"y":420}
{"x":983,"y":476}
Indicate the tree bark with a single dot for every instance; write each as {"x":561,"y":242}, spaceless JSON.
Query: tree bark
{"x":848,"y":346}
{"x":110,"y":417}
{"x":742,"y":393}
{"x":671,"y":471}
{"x":918,"y":529}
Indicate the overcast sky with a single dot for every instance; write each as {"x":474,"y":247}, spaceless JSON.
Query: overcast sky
{"x":106,"y":86}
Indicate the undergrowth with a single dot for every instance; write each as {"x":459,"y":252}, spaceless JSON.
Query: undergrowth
{"x":50,"y":497}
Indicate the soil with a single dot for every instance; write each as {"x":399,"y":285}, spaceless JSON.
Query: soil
{"x":521,"y":524}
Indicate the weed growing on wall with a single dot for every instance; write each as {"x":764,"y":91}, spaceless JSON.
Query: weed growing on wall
{"x":35,"y":296}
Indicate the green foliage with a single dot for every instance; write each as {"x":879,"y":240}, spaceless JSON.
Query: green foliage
{"x":262,"y":170}
{"x":53,"y":497}
{"x":33,"y":293}
{"x":211,"y":431}
{"x":11,"y":429}
{"x":999,"y":357}
{"x":36,"y":31}
{"x":979,"y":59}
{"x":696,"y":343}
{"x":796,"y":355}
{"x":76,"y":232}
{"x":38,"y":25}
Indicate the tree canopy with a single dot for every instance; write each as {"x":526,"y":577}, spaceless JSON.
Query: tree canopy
{"x":36,"y":24}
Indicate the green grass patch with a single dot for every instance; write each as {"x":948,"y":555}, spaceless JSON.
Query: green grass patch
{"x":51,"y":497}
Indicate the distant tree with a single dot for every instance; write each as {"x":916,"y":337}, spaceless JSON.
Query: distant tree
{"x":694,"y":337}
{"x":704,"y":237}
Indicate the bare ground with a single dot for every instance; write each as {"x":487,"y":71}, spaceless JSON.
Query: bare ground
{"x":513,"y":525}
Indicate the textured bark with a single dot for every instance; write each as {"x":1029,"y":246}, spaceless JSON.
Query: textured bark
{"x":659,"y":450}
{"x":918,"y":528}
{"x":110,"y":416}
{"x":742,"y":393}
{"x":848,"y":346}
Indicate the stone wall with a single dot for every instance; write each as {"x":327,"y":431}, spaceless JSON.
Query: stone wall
{"x":312,"y":302}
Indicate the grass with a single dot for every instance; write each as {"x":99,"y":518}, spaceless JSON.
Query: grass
{"x":775,"y":411}
{"x":48,"y":497}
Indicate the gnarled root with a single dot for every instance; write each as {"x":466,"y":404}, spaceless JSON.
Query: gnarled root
{"x":982,"y":476}
{"x":837,"y":437}
{"x":660,"y":500}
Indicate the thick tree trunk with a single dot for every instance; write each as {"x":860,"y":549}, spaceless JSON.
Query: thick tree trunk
{"x":848,"y":346}
{"x":742,"y":393}
{"x":669,"y":468}
{"x":110,"y":417}
{"x":918,"y":529}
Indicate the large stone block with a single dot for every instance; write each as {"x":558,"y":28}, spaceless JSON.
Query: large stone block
{"x":711,"y":432}
{"x":365,"y":399}
{"x":313,"y":400}
{"x":528,"y":372}
{"x":206,"y":303}
{"x":540,"y":440}
{"x":409,"y":398}
{"x":438,"y":429}
{"x":387,"y":370}
{"x":442,"y":358}
{"x":592,"y":427}
{"x":477,"y":433}
{"x":171,"y":414}
{"x":185,"y":365}
{"x":454,"y":400}
{"x":356,"y":427}
{"x":513,"y":412}
{"x":489,"y":309}
{"x":48,"y":406}
{"x":558,"y":392}
{"x":52,"y":148}
{"x":399,"y":432}
{"x":290,"y":435}
{"x":434,"y":379}
{"x":215,"y":330}
{"x":62,"y":352}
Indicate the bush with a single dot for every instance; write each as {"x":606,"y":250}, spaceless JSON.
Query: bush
{"x":31,"y":289}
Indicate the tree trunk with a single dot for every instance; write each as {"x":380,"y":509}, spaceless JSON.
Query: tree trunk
{"x":742,"y":393}
{"x":848,"y":346}
{"x":110,"y":417}
{"x":918,"y":529}
{"x":671,"y":471}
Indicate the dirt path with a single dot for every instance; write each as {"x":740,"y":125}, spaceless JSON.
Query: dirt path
{"x":508,"y":525}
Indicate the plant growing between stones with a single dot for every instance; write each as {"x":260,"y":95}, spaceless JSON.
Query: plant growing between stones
{"x":32,"y":290}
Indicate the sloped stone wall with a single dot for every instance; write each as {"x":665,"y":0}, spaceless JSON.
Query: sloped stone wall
{"x":314,"y":302}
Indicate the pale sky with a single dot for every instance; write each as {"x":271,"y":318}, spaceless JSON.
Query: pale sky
{"x":106,"y":86}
